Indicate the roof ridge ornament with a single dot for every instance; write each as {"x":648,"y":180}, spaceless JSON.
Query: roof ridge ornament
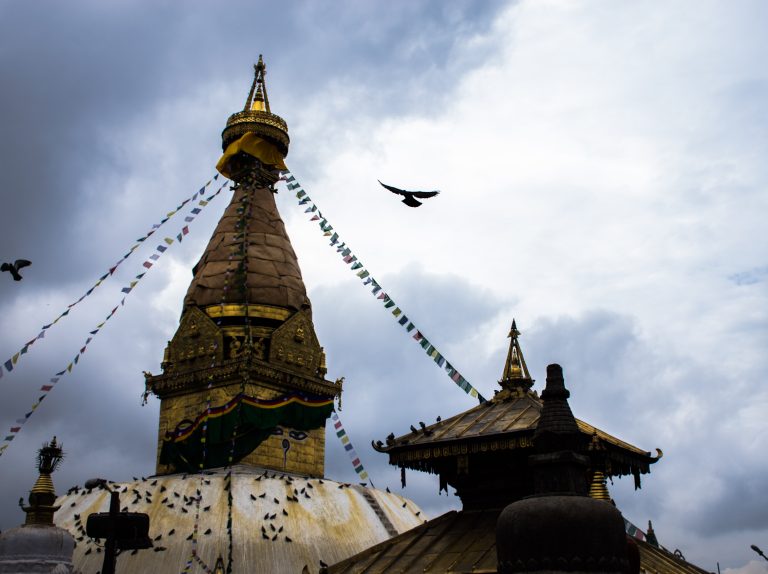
{"x":515,"y":375}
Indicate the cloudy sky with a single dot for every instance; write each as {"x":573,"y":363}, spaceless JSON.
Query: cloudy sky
{"x":603,"y":178}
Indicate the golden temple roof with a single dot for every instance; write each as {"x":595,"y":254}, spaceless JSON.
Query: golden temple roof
{"x":464,"y":542}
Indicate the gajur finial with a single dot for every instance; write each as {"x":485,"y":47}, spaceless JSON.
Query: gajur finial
{"x":515,"y":370}
{"x":42,"y":496}
{"x":257,"y":97}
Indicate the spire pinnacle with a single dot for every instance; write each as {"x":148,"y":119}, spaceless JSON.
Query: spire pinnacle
{"x":515,"y":373}
{"x":257,"y":97}
{"x":42,"y":496}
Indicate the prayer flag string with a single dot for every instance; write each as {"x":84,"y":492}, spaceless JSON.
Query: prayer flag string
{"x":338,"y":428}
{"x":345,"y":252}
{"x":48,"y":387}
{"x":10,"y":364}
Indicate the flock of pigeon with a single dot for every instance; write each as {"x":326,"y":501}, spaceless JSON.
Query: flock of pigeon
{"x":143,"y":491}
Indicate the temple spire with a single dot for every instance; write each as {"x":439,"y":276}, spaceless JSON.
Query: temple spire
{"x":42,"y":497}
{"x":515,"y":373}
{"x":257,"y":97}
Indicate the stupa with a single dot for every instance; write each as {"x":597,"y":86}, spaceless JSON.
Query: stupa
{"x":240,"y":483}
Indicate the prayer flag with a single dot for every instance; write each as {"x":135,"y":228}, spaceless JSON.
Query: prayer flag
{"x":15,"y":359}
{"x":418,"y":336}
{"x":347,"y":447}
{"x":301,"y":194}
{"x":363,"y":274}
{"x":403,"y":320}
{"x":147,"y":264}
{"x":179,"y":237}
{"x":185,"y":230}
{"x":154,"y":257}
{"x":46,"y":388}
{"x":410,"y":327}
{"x":195,"y":210}
{"x":189,"y":218}
{"x":315,"y":218}
{"x":389,"y":304}
{"x":357,"y":265}
{"x":397,"y":312}
{"x":15,"y":429}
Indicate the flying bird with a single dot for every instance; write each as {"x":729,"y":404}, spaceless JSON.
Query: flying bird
{"x":409,"y":197}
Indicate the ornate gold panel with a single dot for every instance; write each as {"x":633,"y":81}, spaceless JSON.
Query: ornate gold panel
{"x":294,"y":344}
{"x":198,"y":343}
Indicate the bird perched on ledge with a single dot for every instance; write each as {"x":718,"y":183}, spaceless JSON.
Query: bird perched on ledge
{"x":15,"y":267}
{"x":409,"y":197}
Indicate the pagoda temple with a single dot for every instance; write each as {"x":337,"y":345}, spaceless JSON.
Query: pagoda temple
{"x":240,"y":485}
{"x":483,"y":453}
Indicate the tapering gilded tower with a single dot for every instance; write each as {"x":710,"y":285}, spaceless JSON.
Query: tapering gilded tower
{"x":244,"y":376}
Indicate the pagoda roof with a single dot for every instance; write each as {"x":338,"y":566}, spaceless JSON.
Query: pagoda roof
{"x":505,"y":422}
{"x":464,"y":541}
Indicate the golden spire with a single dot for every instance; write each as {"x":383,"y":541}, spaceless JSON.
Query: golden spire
{"x":42,"y":496}
{"x":515,"y":373}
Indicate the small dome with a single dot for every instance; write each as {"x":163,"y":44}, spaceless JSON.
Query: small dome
{"x":36,"y":548}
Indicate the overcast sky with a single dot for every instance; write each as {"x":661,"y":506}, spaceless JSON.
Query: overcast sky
{"x":603,"y":177}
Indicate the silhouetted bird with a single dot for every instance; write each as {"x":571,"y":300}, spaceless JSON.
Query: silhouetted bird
{"x":409,"y":197}
{"x":422,"y":425}
{"x":439,"y":418}
{"x":413,"y":429}
{"x":285,"y":513}
{"x":207,"y":532}
{"x":388,"y":490}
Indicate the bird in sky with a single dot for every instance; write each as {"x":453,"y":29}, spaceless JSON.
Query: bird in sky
{"x":409,"y":197}
{"x":15,"y":267}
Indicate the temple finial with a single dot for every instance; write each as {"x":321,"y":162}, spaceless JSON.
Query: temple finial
{"x":42,"y":496}
{"x":515,"y":373}
{"x":257,"y":97}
